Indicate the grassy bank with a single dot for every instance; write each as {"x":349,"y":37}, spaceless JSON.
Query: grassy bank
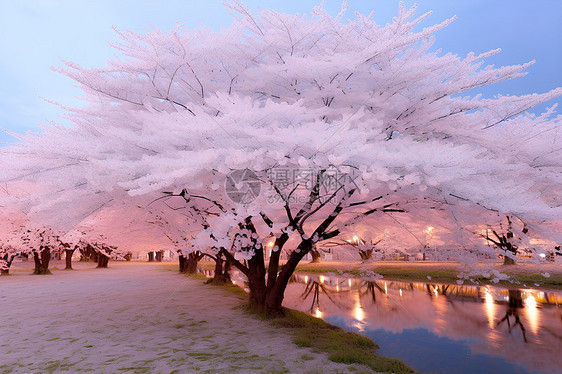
{"x":340,"y":345}
{"x":439,"y":272}
{"x":442,"y":274}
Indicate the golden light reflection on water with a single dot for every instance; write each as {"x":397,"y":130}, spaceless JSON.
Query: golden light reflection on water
{"x":453,"y":311}
{"x":358,"y":313}
{"x":532,"y":313}
{"x":441,"y":310}
{"x":490,"y":307}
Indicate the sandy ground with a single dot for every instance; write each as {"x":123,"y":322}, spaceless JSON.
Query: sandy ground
{"x":138,"y":318}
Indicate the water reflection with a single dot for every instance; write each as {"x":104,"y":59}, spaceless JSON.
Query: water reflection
{"x":520,"y":329}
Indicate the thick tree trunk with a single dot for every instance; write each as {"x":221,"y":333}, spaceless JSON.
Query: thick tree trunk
{"x":41,"y":260}
{"x":159,"y":256}
{"x":69,"y":253}
{"x":219,"y":276}
{"x":256,"y":278}
{"x":274,"y":298}
{"x":508,"y":260}
{"x":273,"y":268}
{"x":226,"y":270}
{"x":8,"y":260}
{"x":192,"y":262}
{"x":103,"y":260}
{"x":258,"y":289}
{"x":182,"y":263}
{"x":150,"y":256}
{"x":128,"y":256}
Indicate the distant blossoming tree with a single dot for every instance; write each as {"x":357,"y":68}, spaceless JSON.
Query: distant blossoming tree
{"x":39,"y":243}
{"x":184,"y":110}
{"x":71,"y":241}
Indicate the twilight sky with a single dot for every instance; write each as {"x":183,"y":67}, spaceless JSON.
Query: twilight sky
{"x":38,"y":34}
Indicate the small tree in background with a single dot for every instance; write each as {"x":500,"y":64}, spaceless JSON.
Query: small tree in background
{"x":506,"y":241}
{"x":71,"y":241}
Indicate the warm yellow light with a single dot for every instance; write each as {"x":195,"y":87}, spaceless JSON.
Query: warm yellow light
{"x":532,"y":313}
{"x":490,"y":307}
{"x":349,"y":282}
{"x":400,"y":292}
{"x":358,"y":313}
{"x":435,"y":291}
{"x":385,"y":289}
{"x":306,"y":279}
{"x":318,"y":313}
{"x":337,"y":288}
{"x":355,"y":239}
{"x":322,"y":279}
{"x":429,"y":230}
{"x":270,"y":244}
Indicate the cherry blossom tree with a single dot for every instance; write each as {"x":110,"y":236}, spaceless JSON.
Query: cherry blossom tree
{"x":38,"y":242}
{"x":11,"y":229}
{"x":365,"y":248}
{"x":7,"y":256}
{"x":381,"y":123}
{"x":176,"y":222}
{"x":507,"y":241}
{"x":71,"y":241}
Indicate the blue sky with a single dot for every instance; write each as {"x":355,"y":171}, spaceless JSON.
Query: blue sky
{"x":38,"y":34}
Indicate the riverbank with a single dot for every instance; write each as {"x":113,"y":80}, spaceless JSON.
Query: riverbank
{"x":140,"y":318}
{"x":548,"y":276}
{"x":543,"y":276}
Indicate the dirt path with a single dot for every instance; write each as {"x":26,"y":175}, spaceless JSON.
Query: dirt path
{"x":138,"y":318}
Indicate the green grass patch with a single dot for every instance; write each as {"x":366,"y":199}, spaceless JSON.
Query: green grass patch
{"x":42,"y":272}
{"x":446,"y":276}
{"x":233,"y":289}
{"x":136,"y":369}
{"x":203,"y":356}
{"x":553,"y":282}
{"x":417,"y":274}
{"x":341,"y":346}
{"x":200,"y":276}
{"x":325,"y":270}
{"x":170,"y":266}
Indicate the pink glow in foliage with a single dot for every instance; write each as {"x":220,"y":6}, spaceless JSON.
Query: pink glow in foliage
{"x":390,"y":134}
